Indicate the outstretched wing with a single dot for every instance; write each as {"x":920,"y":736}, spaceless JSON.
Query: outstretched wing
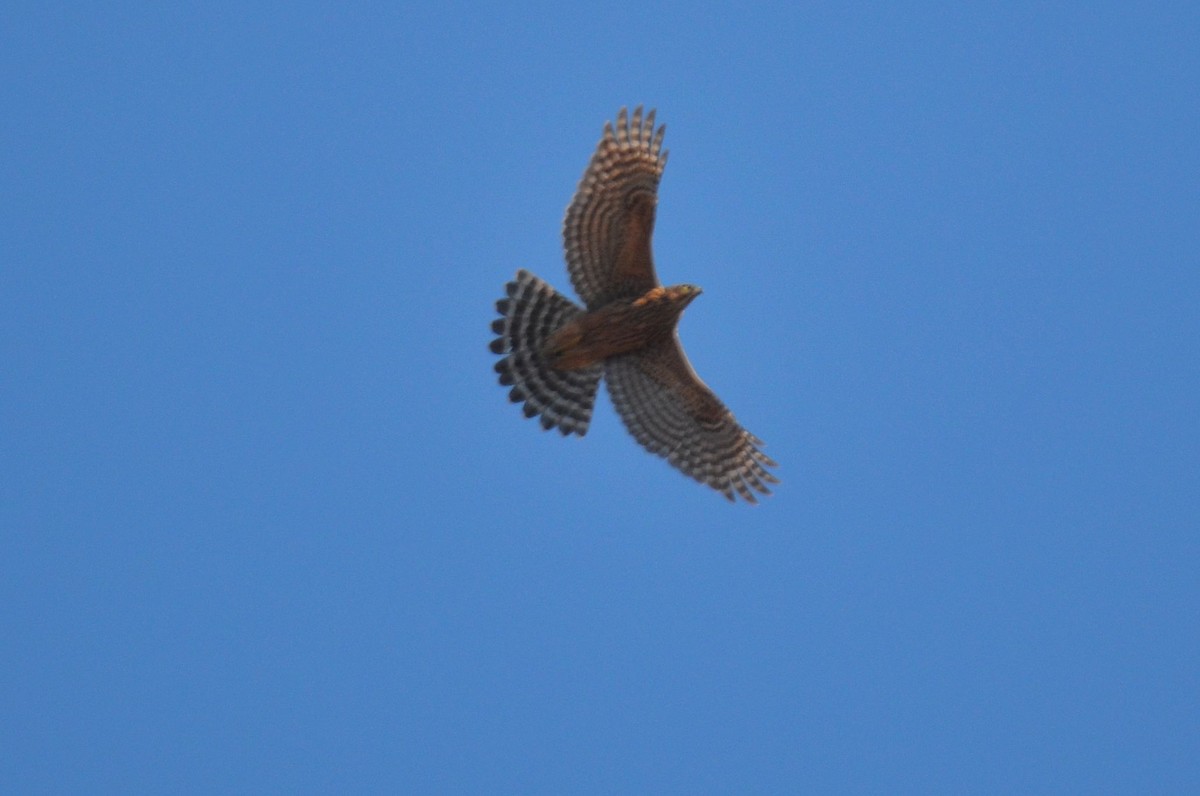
{"x":607,"y":229}
{"x":673,"y":414}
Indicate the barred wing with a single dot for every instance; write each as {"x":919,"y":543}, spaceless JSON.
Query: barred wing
{"x":607,"y":229}
{"x":672,"y":413}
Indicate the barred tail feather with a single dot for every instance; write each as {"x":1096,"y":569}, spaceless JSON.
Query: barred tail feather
{"x":529,"y":315}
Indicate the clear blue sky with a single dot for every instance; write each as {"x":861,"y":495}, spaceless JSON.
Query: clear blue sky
{"x":269,"y":525}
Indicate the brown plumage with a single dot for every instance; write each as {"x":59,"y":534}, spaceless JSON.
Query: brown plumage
{"x":556,"y":352}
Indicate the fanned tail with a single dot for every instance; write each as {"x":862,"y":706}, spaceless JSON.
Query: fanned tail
{"x":531,"y":313}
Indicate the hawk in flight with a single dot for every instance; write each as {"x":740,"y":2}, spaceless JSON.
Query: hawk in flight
{"x":555,"y":352}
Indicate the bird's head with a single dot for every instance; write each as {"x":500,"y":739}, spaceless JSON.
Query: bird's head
{"x":683,"y":295}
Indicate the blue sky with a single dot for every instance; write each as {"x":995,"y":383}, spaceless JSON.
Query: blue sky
{"x":267,"y":523}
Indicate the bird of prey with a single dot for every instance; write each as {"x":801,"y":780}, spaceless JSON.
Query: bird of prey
{"x":555,"y":352}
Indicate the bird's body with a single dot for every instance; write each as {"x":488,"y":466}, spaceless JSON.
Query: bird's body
{"x":556,"y":352}
{"x":622,"y":326}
